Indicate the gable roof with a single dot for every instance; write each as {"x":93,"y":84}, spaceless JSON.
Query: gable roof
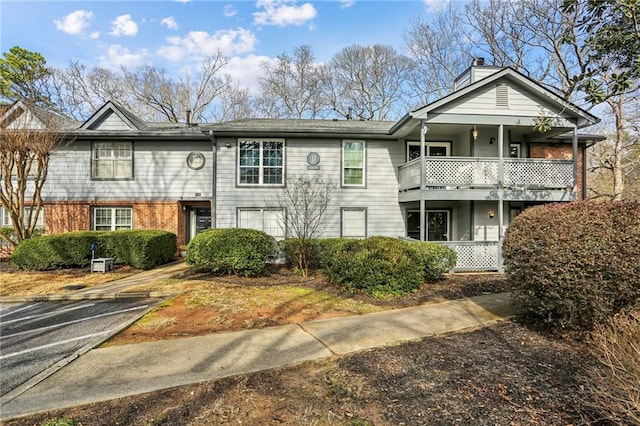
{"x":110,"y":107}
{"x":40,"y":118}
{"x":584,"y":117}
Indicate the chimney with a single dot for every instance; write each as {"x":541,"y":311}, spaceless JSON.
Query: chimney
{"x":188,"y":117}
{"x":478,"y":62}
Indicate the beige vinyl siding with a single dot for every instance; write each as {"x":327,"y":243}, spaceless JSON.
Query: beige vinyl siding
{"x":379,"y":196}
{"x":160,"y":173}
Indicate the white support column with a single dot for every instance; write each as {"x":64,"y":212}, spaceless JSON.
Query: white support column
{"x":423,"y":179}
{"x":500,"y":193}
{"x":575,"y":160}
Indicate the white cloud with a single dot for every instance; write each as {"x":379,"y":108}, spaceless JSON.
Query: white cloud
{"x":247,"y":70}
{"x":230,"y":11}
{"x":75,"y":22}
{"x":170,"y":22}
{"x":199,"y":44}
{"x":344,"y":4}
{"x":183,"y":1}
{"x":94,"y":35}
{"x":121,"y":56}
{"x":123,"y":25}
{"x":283,"y":13}
{"x":435,"y":5}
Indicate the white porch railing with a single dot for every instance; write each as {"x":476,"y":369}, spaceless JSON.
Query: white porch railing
{"x":456,"y":172}
{"x":476,"y":255}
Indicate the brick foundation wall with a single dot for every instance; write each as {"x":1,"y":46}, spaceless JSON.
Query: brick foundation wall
{"x":560,"y":152}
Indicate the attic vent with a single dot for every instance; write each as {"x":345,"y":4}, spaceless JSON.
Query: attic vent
{"x":502,"y":96}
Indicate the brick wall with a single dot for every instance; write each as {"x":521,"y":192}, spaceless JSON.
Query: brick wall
{"x":76,"y":216}
{"x":560,"y":152}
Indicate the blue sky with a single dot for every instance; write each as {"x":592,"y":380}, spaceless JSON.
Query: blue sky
{"x":180,"y":33}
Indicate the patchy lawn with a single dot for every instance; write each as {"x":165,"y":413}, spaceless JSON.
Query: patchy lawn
{"x":30,"y":283}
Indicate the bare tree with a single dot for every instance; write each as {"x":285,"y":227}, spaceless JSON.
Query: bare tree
{"x":368,"y":81}
{"x":293,"y":85}
{"x":440,"y":51}
{"x":303,"y":203}
{"x":24,"y":164}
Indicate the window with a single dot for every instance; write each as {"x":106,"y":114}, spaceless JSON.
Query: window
{"x":261,"y":162}
{"x":5,"y":219}
{"x":354,"y":222}
{"x":266,"y":220}
{"x":112,"y":160}
{"x":112,"y":218}
{"x":353,"y":163}
{"x":514,"y":150}
{"x":431,"y":149}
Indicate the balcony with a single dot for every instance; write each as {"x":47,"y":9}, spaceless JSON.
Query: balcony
{"x":482,"y":176}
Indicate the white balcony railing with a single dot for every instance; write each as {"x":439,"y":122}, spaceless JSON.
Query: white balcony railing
{"x":457,"y":172}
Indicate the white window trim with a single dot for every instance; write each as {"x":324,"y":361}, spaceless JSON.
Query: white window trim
{"x":514,"y":145}
{"x":5,"y":220}
{"x":113,"y":160}
{"x":344,"y":234}
{"x":113,"y":216}
{"x":364,"y":164}
{"x":261,"y":165}
{"x":280,"y":213}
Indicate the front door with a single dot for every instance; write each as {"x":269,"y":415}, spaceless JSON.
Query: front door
{"x":198,"y":220}
{"x":437,"y":225}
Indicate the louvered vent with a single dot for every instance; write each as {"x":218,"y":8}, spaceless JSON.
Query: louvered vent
{"x":502,"y":96}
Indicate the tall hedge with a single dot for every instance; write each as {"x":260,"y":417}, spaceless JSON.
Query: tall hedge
{"x":141,"y":249}
{"x":231,"y":250}
{"x":574,"y":265}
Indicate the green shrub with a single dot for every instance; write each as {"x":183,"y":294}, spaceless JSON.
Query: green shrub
{"x":140,"y":249}
{"x":294,"y":248}
{"x":574,"y":265}
{"x":377,"y":265}
{"x":230,"y":250}
{"x":436,"y":259}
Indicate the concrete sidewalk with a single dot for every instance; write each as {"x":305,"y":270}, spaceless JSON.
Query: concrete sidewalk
{"x":115,"y":372}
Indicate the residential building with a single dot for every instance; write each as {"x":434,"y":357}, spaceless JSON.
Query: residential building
{"x":456,"y":171}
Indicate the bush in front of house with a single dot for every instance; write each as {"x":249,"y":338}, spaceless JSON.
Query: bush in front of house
{"x":377,"y":265}
{"x":142,"y":249}
{"x":612,"y":383}
{"x":436,"y":259}
{"x":230,"y":251}
{"x":574,"y":265}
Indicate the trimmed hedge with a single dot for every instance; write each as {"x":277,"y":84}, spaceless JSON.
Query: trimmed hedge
{"x":377,"y":265}
{"x":574,"y":265}
{"x":142,"y":249}
{"x":436,"y":259}
{"x":231,"y":250}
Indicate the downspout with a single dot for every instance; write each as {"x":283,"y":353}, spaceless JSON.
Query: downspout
{"x":214,"y":171}
{"x":423,"y":181}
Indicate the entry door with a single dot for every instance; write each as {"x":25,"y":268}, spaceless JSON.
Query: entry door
{"x":437,"y":225}
{"x":199,"y":220}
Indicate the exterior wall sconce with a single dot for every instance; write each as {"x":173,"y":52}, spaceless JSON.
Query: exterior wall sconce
{"x":228,"y":145}
{"x":492,"y":140}
{"x":492,"y":214}
{"x":474,"y":132}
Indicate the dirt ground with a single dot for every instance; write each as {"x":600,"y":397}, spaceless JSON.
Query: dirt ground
{"x":503,"y":375}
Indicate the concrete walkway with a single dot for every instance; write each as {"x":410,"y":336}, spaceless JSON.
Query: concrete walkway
{"x":115,"y":372}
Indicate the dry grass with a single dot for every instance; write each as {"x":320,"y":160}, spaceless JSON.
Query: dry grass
{"x":614,"y":384}
{"x":30,"y":283}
